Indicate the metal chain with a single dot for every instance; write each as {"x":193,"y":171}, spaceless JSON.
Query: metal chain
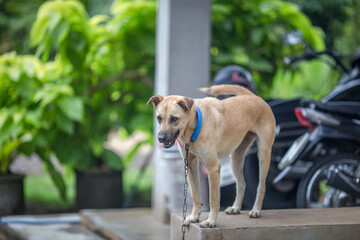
{"x":186,"y":164}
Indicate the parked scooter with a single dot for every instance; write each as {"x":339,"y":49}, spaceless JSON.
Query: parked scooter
{"x":283,"y":181}
{"x":328,"y":154}
{"x":332,"y":146}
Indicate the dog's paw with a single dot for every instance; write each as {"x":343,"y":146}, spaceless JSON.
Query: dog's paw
{"x":254,"y":214}
{"x":232,"y":210}
{"x":191,"y":219}
{"x":207,"y":224}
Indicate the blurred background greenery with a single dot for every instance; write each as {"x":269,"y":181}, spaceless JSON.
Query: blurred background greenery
{"x":72,"y":71}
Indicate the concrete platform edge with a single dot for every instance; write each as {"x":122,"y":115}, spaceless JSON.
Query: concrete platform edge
{"x":295,"y":224}
{"x":88,"y":220}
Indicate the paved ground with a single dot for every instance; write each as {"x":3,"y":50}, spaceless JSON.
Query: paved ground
{"x":45,"y":227}
{"x":126,"y":224}
{"x":139,"y":224}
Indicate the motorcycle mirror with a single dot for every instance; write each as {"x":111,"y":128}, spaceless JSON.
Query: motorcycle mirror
{"x":292,"y":38}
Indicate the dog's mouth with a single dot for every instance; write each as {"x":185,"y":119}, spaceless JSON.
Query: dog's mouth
{"x":171,"y":143}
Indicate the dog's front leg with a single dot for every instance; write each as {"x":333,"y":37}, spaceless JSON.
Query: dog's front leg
{"x":214,"y":185}
{"x":194,"y":180}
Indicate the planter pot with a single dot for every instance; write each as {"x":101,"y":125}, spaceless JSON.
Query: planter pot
{"x":99,"y":189}
{"x":11,"y":194}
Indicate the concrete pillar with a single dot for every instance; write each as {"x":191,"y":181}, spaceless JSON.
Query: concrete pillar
{"x":183,"y":36}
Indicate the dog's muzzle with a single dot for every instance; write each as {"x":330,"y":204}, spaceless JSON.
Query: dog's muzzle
{"x":168,"y":139}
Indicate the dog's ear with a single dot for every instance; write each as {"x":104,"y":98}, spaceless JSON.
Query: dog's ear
{"x":155,"y":100}
{"x":186,"y":103}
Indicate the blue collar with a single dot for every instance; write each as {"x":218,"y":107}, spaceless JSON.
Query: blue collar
{"x":198,"y":124}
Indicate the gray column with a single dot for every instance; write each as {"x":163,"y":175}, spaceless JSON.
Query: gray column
{"x":183,"y":38}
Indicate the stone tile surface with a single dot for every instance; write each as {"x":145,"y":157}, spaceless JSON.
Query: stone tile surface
{"x":295,"y":224}
{"x":125,"y":224}
{"x":65,"y":226}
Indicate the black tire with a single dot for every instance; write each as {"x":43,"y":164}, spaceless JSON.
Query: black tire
{"x":313,"y":175}
{"x":274,"y":199}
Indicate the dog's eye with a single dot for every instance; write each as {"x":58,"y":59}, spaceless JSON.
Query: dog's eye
{"x":159,"y":119}
{"x":173,"y":119}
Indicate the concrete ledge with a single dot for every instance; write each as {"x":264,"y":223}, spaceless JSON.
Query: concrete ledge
{"x":125,"y":224}
{"x":295,"y":224}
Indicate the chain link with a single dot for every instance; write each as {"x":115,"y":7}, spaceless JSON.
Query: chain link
{"x":186,"y":164}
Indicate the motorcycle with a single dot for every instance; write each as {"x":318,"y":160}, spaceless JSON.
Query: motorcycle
{"x":332,"y":146}
{"x":300,"y":161}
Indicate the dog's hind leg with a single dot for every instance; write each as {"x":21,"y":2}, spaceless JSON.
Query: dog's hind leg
{"x":237,"y":164}
{"x":264,"y":140}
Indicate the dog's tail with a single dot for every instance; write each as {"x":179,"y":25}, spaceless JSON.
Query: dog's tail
{"x":226,"y":89}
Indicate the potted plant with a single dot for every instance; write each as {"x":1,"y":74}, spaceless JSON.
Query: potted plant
{"x":28,"y":106}
{"x":108,"y":71}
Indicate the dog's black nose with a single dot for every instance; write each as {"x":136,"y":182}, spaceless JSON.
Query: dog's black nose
{"x":161,"y":137}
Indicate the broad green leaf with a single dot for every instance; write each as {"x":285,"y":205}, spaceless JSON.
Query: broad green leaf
{"x":18,"y":115}
{"x":97,"y":146}
{"x":97,"y":19}
{"x":56,"y":176}
{"x":53,"y":20}
{"x":60,"y":32}
{"x":257,"y":35}
{"x":41,"y":140}
{"x":38,"y":31}
{"x":5,"y":152}
{"x":33,"y":117}
{"x":72,"y":151}
{"x":131,"y":154}
{"x":29,"y":65}
{"x":112,"y":160}
{"x":4,"y":113}
{"x":76,"y":58}
{"x":64,"y":124}
{"x":26,"y":138}
{"x":45,"y":95}
{"x":72,"y":107}
{"x":25,"y":87}
{"x":14,"y":73}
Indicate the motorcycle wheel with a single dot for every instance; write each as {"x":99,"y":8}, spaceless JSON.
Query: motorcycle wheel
{"x":275,"y":198}
{"x":313,"y":191}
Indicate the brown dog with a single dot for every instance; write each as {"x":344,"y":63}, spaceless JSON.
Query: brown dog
{"x":229,"y":126}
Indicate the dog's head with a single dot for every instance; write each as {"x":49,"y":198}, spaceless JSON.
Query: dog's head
{"x":173,"y":115}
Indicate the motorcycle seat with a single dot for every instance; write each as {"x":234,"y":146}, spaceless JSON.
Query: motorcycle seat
{"x":348,"y":108}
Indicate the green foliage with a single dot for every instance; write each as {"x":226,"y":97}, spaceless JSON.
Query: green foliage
{"x":15,"y":22}
{"x":86,"y":85}
{"x":331,"y":16}
{"x":63,"y":25}
{"x":248,"y":33}
{"x":40,"y":189}
{"x":108,"y":62}
{"x":16,"y":18}
{"x":338,"y":19}
{"x":348,"y":39}
{"x":312,"y":79}
{"x":30,"y":103}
